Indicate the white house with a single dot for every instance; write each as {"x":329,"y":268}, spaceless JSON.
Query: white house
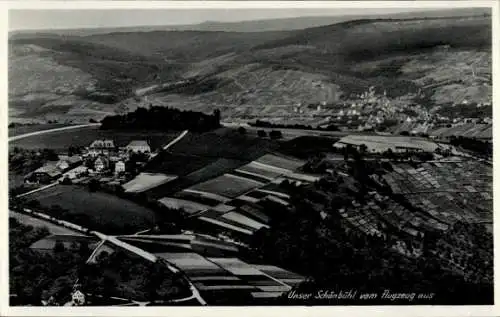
{"x":139,"y":146}
{"x":100,"y":164}
{"x":62,"y":165}
{"x":119,"y":167}
{"x":78,"y":298}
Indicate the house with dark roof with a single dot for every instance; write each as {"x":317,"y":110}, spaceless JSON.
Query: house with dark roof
{"x":101,"y":147}
{"x":44,"y":175}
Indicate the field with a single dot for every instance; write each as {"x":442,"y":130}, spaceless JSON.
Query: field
{"x":105,"y":209}
{"x":177,"y":163}
{"x":22,"y":129}
{"x":145,"y":181}
{"x":200,"y":157}
{"x":186,"y":205}
{"x":377,"y":143}
{"x":447,"y":191}
{"x":61,"y":140}
{"x":469,"y":130}
{"x":280,"y":162}
{"x":227,"y":185}
{"x":223,"y":143}
{"x":259,"y":170}
{"x":35,"y":222}
{"x":305,"y":146}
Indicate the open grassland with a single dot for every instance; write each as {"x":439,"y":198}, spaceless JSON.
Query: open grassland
{"x":83,"y":137}
{"x":104,"y":209}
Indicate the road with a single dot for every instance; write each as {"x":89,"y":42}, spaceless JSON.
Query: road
{"x":177,"y":139}
{"x":73,"y":127}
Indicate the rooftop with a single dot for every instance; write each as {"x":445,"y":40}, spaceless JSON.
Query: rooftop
{"x":138,"y":143}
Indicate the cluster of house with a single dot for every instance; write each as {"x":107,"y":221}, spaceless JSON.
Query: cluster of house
{"x":100,"y":157}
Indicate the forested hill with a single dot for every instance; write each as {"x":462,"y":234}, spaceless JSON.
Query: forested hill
{"x":243,"y":69}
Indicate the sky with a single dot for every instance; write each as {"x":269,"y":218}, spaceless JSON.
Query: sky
{"x":73,"y":19}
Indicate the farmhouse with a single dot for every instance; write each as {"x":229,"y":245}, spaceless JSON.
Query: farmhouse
{"x":67,"y":162}
{"x":44,"y":175}
{"x":76,"y":172}
{"x":139,"y":146}
{"x":101,"y":147}
{"x":119,"y":167}
{"x":100,"y":164}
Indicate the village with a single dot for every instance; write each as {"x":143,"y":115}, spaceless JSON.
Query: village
{"x":102,"y":159}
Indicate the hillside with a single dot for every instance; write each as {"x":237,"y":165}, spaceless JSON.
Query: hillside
{"x":263,"y":25}
{"x":244,"y":73}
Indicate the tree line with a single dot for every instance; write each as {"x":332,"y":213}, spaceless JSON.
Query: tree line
{"x":163,"y":119}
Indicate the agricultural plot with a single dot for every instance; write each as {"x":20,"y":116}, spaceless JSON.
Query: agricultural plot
{"x":445,"y":192}
{"x":102,"y":208}
{"x":470,"y":130}
{"x":177,"y":164}
{"x":227,"y":185}
{"x":214,"y":169}
{"x":201,"y":197}
{"x":188,"y":206}
{"x":224,"y":143}
{"x":146,"y":181}
{"x":378,"y":143}
{"x":281,"y":162}
{"x":242,"y":219}
{"x":254,"y":277}
{"x":259,"y":170}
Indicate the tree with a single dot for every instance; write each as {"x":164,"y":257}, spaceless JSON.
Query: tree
{"x":94,"y":185}
{"x":59,"y":247}
{"x":363,"y":149}
{"x":275,"y":134}
{"x":66,"y":181}
{"x":92,"y":120}
{"x":261,"y":133}
{"x":242,"y":130}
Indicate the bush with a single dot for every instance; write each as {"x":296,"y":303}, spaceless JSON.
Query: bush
{"x":261,"y":133}
{"x":275,"y":134}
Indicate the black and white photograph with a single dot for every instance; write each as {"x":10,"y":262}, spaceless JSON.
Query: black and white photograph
{"x":336,"y":156}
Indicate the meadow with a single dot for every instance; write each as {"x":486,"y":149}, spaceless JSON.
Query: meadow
{"x":61,"y":140}
{"x":104,"y":209}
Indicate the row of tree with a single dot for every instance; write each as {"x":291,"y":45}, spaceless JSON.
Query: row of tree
{"x":163,"y":119}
